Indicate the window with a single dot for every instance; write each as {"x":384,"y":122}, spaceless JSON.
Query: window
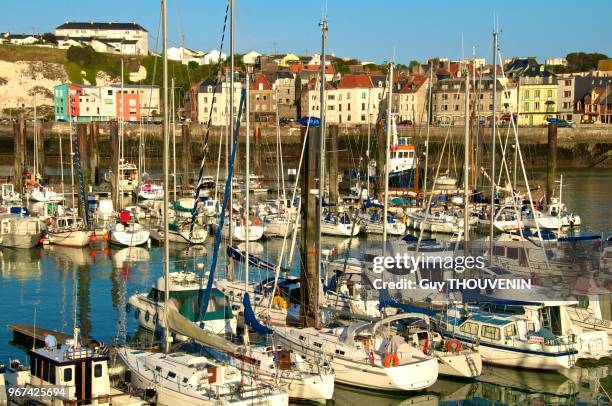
{"x":348,"y":118}
{"x":340,"y":107}
{"x":319,"y":345}
{"x":348,"y":96}
{"x":526,"y":94}
{"x":456,"y":107}
{"x":537,"y":94}
{"x":499,"y":251}
{"x":67,"y":374}
{"x":470,"y":328}
{"x":549,"y":94}
{"x":510,"y":330}
{"x":567,"y":93}
{"x":363,"y":118}
{"x":363,"y":106}
{"x":526,"y":106}
{"x":363,"y":95}
{"x":536,"y":106}
{"x":330,"y":107}
{"x":568,"y":83}
{"x":98,"y":370}
{"x":445,"y":97}
{"x":109,"y":93}
{"x":330,"y":97}
{"x":490,"y":332}
{"x":512,"y":252}
{"x":348,"y":107}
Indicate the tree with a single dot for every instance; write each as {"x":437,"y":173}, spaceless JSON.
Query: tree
{"x":582,"y":62}
{"x":49,"y":38}
{"x":82,"y":56}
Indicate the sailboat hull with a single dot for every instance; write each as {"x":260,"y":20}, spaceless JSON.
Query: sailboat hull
{"x":72,"y":238}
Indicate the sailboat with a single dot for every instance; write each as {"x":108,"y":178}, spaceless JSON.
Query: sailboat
{"x":180,"y":378}
{"x":127,"y":231}
{"x":69,"y":230}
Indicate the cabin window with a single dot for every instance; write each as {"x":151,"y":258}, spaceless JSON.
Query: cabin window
{"x":98,"y":370}
{"x":512,"y":252}
{"x":340,"y":352}
{"x":470,"y":328}
{"x":490,"y":332}
{"x":52,"y":374}
{"x":510,"y":331}
{"x":318,"y":345}
{"x":171,"y":375}
{"x":499,"y":251}
{"x":302,"y":338}
{"x":67,"y":374}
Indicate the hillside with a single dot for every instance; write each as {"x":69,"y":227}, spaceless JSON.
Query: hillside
{"x":29,"y":73}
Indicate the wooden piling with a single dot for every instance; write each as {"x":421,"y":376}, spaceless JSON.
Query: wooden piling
{"x":94,"y":153}
{"x":114,"y":140}
{"x":186,"y":156}
{"x":551,"y":175}
{"x":309,"y":277}
{"x":333,"y":164}
{"x":257,"y":170}
{"x":19,"y":128}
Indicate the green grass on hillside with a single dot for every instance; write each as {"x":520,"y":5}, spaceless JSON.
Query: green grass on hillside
{"x":15,"y":53}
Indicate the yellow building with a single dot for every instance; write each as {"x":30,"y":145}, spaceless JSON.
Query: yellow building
{"x":537,"y":99}
{"x":287,"y":60}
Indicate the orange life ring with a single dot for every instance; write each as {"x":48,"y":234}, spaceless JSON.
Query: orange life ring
{"x":391,"y":360}
{"x":426,"y":346}
{"x":453,"y":345}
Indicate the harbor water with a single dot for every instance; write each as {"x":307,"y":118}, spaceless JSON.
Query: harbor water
{"x":49,"y":286}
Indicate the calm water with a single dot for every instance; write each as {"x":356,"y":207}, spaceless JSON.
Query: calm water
{"x":47,"y":285}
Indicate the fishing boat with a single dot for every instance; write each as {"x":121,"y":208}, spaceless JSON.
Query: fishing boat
{"x":403,"y":163}
{"x":364,"y":355}
{"x":72,"y":373}
{"x":9,"y":195}
{"x":340,"y":226}
{"x":69,"y":231}
{"x":126,"y":231}
{"x":18,"y":231}
{"x":185,"y":288}
{"x":374,"y":225}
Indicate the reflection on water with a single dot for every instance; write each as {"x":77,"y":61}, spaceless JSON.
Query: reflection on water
{"x":42,"y":284}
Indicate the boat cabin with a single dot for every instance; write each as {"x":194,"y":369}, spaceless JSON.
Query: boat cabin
{"x":501,"y":329}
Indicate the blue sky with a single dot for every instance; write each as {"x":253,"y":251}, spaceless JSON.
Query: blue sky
{"x":368,"y":30}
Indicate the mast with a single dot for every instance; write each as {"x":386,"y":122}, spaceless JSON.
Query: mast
{"x":166,"y":260}
{"x":173,"y":141}
{"x":466,"y":165}
{"x":229,"y":273}
{"x":120,"y":159}
{"x":428,"y":126}
{"x":493,"y":135}
{"x":367,"y":171}
{"x":387,"y":157}
{"x":324,"y":27}
{"x":61,"y":154}
{"x":72,"y":170}
{"x":35,"y":141}
{"x":248,"y":191}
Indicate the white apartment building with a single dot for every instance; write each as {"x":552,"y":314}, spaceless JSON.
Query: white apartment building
{"x":220,"y":110}
{"x":125,"y":38}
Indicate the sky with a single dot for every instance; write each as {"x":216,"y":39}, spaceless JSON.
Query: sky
{"x":368,"y":30}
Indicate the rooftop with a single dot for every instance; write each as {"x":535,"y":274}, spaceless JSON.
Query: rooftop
{"x":74,"y":25}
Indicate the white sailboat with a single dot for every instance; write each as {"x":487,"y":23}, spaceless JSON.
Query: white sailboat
{"x":127,"y":232}
{"x":340,"y":226}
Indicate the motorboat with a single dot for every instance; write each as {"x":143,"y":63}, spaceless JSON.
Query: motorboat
{"x":149,"y":191}
{"x":9,"y":195}
{"x":186,"y":288}
{"x":18,"y":231}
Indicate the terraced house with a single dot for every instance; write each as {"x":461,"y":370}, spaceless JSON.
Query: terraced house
{"x":112,"y":37}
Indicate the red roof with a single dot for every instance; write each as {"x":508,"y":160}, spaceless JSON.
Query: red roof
{"x":355,"y":81}
{"x":298,"y":67}
{"x":258,"y":79}
{"x":414,"y":83}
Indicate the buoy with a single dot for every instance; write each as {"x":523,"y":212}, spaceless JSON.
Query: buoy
{"x":391,"y":360}
{"x":93,"y":238}
{"x":106,"y":236}
{"x":453,"y":345}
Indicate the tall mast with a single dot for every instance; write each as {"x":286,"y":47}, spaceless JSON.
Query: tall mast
{"x":493,"y":135}
{"x":228,"y":265}
{"x":61,"y":154}
{"x":387,"y":157}
{"x":35,"y":141}
{"x":466,"y":164}
{"x":119,"y":176}
{"x":428,"y":126}
{"x":173,"y":142}
{"x":324,"y":27}
{"x":248,"y":191}
{"x":166,"y":261}
{"x":367,"y":171}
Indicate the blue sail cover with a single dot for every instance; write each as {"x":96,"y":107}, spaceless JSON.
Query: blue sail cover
{"x":250,"y":319}
{"x":385,"y":300}
{"x":256,"y":261}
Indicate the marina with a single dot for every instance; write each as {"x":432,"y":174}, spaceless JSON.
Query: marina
{"x":385,"y":269}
